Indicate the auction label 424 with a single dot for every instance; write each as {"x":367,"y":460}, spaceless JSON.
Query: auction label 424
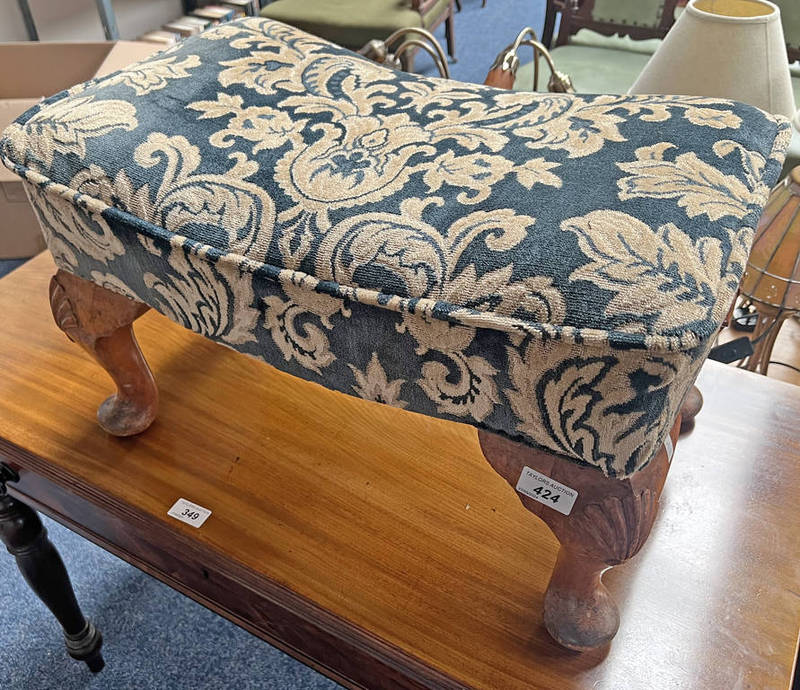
{"x":541,"y":488}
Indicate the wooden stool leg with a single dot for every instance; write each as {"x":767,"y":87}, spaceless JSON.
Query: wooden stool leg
{"x":25,"y":537}
{"x":608,"y":524}
{"x":100,"y":321}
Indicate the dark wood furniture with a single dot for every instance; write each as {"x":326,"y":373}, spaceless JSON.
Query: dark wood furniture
{"x":397,"y":558}
{"x":25,"y":538}
{"x":427,"y":7}
{"x":578,"y":14}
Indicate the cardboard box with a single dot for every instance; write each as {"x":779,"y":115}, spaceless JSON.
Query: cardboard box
{"x":28,"y":73}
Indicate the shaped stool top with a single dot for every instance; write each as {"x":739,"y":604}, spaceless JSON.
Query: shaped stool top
{"x":549,"y":267}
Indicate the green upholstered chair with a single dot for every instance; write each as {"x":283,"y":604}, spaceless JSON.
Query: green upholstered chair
{"x":353,"y":23}
{"x":640,"y":19}
{"x":603,"y":44}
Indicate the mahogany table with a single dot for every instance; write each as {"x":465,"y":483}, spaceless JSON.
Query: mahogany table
{"x":376,"y":545}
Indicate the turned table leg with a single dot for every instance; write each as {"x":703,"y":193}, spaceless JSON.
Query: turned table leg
{"x":25,"y":537}
{"x":100,"y":321}
{"x":608,"y":524}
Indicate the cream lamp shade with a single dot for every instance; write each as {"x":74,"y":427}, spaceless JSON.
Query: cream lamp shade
{"x":724,"y":49}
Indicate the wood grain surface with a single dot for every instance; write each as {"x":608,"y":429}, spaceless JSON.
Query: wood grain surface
{"x":392,"y":530}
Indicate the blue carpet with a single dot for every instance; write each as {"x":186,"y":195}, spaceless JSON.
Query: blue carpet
{"x":481,"y":33}
{"x":155,"y":637}
{"x":8,"y":265}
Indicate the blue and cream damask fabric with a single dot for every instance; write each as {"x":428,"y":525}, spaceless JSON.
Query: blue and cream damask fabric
{"x":548,"y":267}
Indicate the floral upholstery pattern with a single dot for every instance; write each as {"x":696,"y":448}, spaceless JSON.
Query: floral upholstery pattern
{"x":548,"y":267}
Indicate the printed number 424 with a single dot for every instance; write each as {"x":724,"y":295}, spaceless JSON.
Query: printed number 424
{"x":546,"y":494}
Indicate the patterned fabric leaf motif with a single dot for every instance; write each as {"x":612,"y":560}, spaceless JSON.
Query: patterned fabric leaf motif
{"x":403,"y":252}
{"x":266,"y":126}
{"x":569,"y":397}
{"x":536,"y":299}
{"x":251,"y":71}
{"x":275,"y":56}
{"x":373,"y":384}
{"x":63,"y":221}
{"x":224,"y":204}
{"x":563,"y":395}
{"x":282,"y":45}
{"x":462,"y":385}
{"x":203,"y":299}
{"x":700,"y":111}
{"x":715,"y":118}
{"x":472,"y":393}
{"x":66,"y":126}
{"x":153,"y":75}
{"x":537,"y":171}
{"x":336,"y":88}
{"x":296,"y":335}
{"x":247,"y":35}
{"x":579,"y":127}
{"x":663,"y":269}
{"x":477,"y":172}
{"x":597,"y":407}
{"x":699,"y":187}
{"x":447,"y":125}
{"x":364,"y":160}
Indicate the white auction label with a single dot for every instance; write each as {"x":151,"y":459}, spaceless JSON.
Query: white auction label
{"x":669,"y":446}
{"x":188,"y":512}
{"x":541,"y":488}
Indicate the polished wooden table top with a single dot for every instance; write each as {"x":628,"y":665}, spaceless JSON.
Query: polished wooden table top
{"x":393,"y":523}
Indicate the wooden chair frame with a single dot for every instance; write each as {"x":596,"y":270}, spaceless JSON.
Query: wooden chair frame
{"x":578,"y":14}
{"x":424,"y":7}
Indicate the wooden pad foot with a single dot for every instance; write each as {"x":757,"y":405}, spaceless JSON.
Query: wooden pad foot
{"x":579,"y":612}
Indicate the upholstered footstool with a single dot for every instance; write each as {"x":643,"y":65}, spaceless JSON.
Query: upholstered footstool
{"x":550,"y":269}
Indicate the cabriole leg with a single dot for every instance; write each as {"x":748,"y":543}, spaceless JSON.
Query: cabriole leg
{"x":608,"y":524}
{"x":101,"y":321}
